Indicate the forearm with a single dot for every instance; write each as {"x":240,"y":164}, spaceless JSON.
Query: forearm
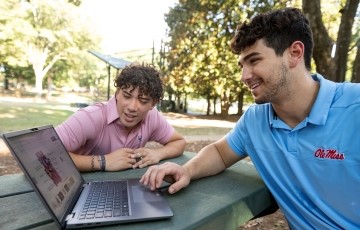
{"x":207,"y":162}
{"x":85,"y":163}
{"x":172,"y":149}
{"x":211,"y":160}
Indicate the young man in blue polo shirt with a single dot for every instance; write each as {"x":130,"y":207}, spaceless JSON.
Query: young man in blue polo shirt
{"x":302,"y":134}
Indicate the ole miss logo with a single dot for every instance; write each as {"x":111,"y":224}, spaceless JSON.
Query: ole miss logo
{"x":329,"y":154}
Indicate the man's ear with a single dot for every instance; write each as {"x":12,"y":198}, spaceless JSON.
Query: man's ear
{"x":296,"y":53}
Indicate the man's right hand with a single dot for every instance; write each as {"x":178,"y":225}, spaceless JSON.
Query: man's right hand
{"x":119,"y":159}
{"x":170,"y":172}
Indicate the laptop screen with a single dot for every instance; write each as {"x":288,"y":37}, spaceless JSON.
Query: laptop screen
{"x":49,"y":166}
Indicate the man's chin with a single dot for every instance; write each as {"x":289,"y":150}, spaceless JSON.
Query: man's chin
{"x":128,"y":127}
{"x":259,"y":101}
{"x":128,"y":124}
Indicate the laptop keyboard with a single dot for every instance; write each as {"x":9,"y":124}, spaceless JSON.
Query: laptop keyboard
{"x":106,"y":199}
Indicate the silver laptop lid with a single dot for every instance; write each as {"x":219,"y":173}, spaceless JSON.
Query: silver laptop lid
{"x":49,"y":168}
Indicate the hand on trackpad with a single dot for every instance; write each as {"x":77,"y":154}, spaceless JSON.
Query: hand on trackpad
{"x":142,"y":193}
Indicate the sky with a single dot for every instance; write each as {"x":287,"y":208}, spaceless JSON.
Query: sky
{"x":128,"y":24}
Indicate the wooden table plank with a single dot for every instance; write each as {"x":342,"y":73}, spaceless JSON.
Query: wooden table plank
{"x":14,"y":184}
{"x":22,"y":211}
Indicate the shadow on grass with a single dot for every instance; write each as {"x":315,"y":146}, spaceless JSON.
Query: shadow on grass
{"x":22,"y":115}
{"x":16,"y":116}
{"x":203,"y":130}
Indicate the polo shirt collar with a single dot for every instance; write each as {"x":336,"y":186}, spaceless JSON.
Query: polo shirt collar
{"x":112,"y":113}
{"x":320,"y":110}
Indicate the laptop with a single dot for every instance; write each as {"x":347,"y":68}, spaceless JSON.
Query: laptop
{"x":71,"y":201}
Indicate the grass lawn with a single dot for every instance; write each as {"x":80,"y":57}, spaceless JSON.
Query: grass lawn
{"x":16,"y":116}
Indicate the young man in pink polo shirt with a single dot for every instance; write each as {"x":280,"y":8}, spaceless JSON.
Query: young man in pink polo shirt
{"x":111,"y":136}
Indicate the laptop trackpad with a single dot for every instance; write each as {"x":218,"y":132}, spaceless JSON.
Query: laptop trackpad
{"x":141,"y":194}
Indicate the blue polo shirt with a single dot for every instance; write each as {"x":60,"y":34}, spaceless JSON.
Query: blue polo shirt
{"x":313,"y":170}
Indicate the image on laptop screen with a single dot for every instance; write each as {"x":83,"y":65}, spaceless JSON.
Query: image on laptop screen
{"x":51,"y":167}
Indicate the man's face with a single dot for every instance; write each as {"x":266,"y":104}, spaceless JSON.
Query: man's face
{"x":132,"y":107}
{"x":266,"y":74}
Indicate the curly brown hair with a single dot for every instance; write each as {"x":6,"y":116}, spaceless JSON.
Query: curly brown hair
{"x":279,"y":29}
{"x":142,"y":76}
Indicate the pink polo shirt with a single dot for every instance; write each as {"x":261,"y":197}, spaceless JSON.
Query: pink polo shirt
{"x":96,"y":129}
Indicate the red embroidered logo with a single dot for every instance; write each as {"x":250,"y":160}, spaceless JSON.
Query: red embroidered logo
{"x":329,"y":154}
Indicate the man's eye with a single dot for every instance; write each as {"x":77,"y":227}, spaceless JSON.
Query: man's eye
{"x":253,"y":61}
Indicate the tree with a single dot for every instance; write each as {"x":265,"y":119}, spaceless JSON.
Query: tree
{"x":12,"y":28}
{"x":199,"y":57}
{"x":200,"y":60}
{"x":199,"y":51}
{"x":356,"y":65}
{"x":46,"y":32}
{"x":332,"y":66}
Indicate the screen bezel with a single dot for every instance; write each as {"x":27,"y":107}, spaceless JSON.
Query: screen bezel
{"x":60,"y":222}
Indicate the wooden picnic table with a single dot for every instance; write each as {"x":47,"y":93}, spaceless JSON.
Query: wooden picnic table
{"x":224,"y":201}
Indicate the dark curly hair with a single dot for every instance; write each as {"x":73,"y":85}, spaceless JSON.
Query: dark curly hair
{"x":279,"y":29}
{"x":142,"y":76}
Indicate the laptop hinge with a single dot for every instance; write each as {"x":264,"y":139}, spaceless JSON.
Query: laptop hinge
{"x":70,"y":216}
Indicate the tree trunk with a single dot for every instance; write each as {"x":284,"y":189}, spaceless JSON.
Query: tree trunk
{"x":240,"y":102}
{"x":344,"y":38}
{"x":185,"y":104}
{"x":208,"y":104}
{"x":214,"y":105}
{"x":38,"y":57}
{"x":225,"y":105}
{"x":323,"y":44}
{"x":39,"y":76}
{"x":332,"y":68}
{"x":49,"y":88}
{"x":356,"y":66}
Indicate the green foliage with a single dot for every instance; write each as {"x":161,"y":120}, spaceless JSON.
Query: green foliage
{"x":19,"y":73}
{"x":12,"y":29}
{"x":48,"y":34}
{"x":199,"y":56}
{"x":334,"y":22}
{"x":199,"y":59}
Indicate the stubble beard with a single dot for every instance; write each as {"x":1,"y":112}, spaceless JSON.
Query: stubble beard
{"x":277,"y":82}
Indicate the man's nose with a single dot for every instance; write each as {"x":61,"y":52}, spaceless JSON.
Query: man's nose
{"x":245,"y":74}
{"x":133,"y":104}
